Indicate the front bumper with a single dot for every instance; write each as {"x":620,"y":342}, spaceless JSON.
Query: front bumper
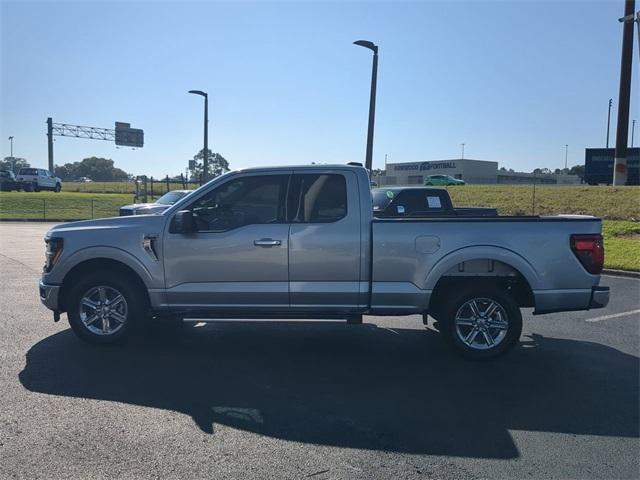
{"x":599,"y":297}
{"x":49,"y":296}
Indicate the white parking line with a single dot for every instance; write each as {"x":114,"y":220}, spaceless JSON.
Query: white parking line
{"x":614,"y":315}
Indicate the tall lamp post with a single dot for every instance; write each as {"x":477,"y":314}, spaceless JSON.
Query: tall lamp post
{"x":566,"y":155}
{"x":633,"y":131}
{"x":205,"y":152}
{"x":609,"y":120}
{"x":372,"y":100}
{"x":13,"y":162}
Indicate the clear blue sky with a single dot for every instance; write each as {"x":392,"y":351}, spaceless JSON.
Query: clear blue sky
{"x":515,"y":81}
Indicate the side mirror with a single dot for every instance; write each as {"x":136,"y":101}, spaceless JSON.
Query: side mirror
{"x":183,"y":222}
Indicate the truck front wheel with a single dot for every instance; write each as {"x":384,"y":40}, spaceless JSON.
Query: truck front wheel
{"x":481,"y":322}
{"x":102,"y":307}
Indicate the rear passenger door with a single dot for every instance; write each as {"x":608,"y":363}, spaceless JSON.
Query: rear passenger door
{"x":324,"y":241}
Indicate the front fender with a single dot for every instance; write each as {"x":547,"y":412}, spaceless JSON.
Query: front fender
{"x":59,"y":272}
{"x":489,"y":252}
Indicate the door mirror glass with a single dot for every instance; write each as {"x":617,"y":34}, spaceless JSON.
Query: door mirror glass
{"x":183,"y":222}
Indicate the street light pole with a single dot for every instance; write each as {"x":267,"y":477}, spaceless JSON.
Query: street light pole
{"x":372,"y":100}
{"x":566,"y":155}
{"x":205,"y":152}
{"x":633,"y":131}
{"x":462,"y":151}
{"x":13,"y":161}
{"x":609,"y":120}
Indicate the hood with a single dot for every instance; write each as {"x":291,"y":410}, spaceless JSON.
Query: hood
{"x":135,"y":206}
{"x":146,"y":222}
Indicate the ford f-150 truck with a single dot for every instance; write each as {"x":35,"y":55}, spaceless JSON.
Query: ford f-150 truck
{"x":303,"y":242}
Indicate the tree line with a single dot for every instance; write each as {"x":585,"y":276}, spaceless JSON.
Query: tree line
{"x":104,"y":170}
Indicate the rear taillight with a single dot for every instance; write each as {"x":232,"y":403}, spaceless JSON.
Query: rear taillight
{"x":590,"y":251}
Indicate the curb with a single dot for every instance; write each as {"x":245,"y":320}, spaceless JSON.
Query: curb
{"x":621,"y":273}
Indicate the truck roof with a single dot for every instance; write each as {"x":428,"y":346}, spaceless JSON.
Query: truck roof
{"x":330,"y":166}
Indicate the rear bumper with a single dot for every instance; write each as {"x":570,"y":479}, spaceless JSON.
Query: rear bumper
{"x":49,"y":296}
{"x":550,"y":301}
{"x":599,"y":297}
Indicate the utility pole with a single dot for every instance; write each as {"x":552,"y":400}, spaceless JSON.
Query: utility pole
{"x":633,"y":131}
{"x":11,"y":142}
{"x":566,"y":155}
{"x":50,"y":142}
{"x":462,"y":151}
{"x":624,"y":96}
{"x":609,"y":120}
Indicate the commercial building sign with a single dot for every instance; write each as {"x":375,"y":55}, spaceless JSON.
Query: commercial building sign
{"x":425,"y":166}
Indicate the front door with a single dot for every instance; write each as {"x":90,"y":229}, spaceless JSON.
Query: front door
{"x":238,"y":257}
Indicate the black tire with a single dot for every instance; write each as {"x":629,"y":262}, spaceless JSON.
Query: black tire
{"x":113,"y":281}
{"x":508,"y":312}
{"x":57,"y":188}
{"x":35,"y":187}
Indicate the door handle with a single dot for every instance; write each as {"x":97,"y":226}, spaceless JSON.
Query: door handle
{"x":267,"y":242}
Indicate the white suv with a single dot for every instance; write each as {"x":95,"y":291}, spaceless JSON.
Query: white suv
{"x":37,"y":179}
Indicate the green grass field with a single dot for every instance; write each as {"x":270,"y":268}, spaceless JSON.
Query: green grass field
{"x":618,"y":206}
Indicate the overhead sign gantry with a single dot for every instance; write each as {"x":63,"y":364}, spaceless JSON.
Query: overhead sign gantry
{"x":122,"y":135}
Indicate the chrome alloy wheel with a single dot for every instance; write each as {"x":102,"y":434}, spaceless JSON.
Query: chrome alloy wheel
{"x":481,"y":323}
{"x":103,"y":310}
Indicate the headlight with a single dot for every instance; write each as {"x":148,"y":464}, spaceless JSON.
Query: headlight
{"x":53,"y":252}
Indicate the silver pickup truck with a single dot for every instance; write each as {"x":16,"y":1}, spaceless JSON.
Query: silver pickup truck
{"x":303,"y":242}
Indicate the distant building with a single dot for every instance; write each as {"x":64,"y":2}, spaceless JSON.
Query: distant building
{"x":471,"y":171}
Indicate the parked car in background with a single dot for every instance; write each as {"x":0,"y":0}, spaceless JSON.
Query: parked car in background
{"x":421,"y":202}
{"x":8,"y":181}
{"x":302,"y":242}
{"x":36,"y":179}
{"x":160,"y":205}
{"x":84,"y":179}
{"x":442,"y":180}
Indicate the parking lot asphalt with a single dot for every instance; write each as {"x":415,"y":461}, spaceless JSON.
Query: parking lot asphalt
{"x":313,"y":400}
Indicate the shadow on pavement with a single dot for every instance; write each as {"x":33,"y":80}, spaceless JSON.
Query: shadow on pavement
{"x":358,"y":387}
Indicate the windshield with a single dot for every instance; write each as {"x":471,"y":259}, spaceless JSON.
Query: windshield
{"x":382,"y":198}
{"x":28,"y":171}
{"x":4,"y":173}
{"x":170,"y":198}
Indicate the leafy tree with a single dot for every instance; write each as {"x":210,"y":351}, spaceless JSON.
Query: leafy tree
{"x":217,"y":165}
{"x":577,"y":170}
{"x":13,"y":163}
{"x":96,"y":168}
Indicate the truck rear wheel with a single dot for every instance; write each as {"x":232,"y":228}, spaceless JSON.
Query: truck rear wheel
{"x":481,"y":322}
{"x":103,"y":306}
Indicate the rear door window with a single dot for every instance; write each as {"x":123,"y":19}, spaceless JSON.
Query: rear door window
{"x":317,"y":198}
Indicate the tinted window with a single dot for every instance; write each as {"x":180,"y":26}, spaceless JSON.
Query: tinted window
{"x":28,"y":171}
{"x":382,"y":198}
{"x":243,"y":201}
{"x":318,"y":198}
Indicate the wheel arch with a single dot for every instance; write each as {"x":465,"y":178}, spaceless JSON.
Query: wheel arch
{"x":490,"y":265}
{"x":100,"y":264}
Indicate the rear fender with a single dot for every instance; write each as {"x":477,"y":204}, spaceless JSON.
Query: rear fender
{"x":489,"y":252}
